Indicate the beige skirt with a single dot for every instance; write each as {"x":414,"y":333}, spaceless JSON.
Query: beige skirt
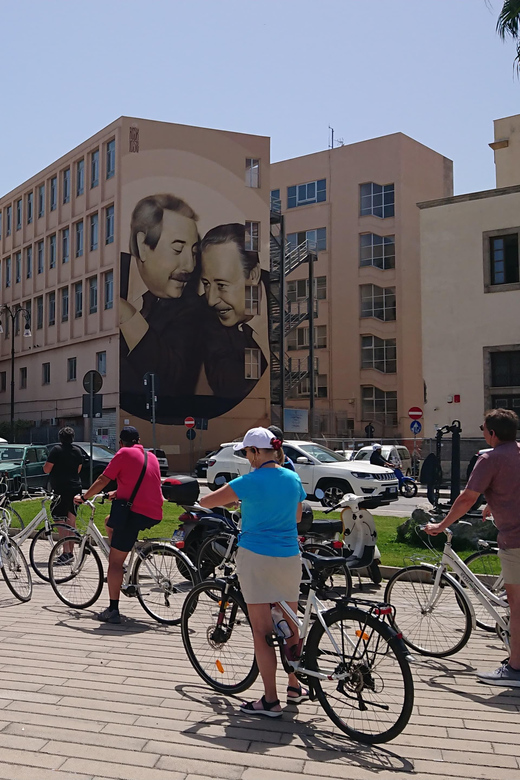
{"x":265,"y":579}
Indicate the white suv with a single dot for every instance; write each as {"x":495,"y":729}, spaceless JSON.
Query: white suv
{"x":317,"y":467}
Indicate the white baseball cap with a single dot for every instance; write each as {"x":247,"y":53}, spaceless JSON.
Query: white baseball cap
{"x":256,"y":437}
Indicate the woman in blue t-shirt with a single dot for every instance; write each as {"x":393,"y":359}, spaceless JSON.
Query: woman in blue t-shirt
{"x":268,"y":557}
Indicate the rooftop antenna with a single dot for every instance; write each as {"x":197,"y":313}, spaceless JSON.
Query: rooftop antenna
{"x":331,"y":144}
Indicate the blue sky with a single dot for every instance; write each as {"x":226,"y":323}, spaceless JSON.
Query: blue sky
{"x":434,"y":69}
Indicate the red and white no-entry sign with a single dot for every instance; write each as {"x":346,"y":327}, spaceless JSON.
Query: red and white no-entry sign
{"x":189,"y":422}
{"x":415,"y":412}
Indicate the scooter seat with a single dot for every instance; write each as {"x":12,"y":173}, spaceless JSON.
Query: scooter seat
{"x":326,"y":528}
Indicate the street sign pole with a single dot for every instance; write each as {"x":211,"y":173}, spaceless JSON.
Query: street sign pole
{"x":91,"y":426}
{"x":154,"y":438}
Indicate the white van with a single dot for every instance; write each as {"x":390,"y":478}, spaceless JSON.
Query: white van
{"x":391,"y":452}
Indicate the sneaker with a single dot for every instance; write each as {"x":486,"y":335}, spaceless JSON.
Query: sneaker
{"x":63,"y":559}
{"x":109,"y":616}
{"x":504,"y":675}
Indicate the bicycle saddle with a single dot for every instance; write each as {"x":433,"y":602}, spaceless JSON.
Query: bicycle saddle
{"x":320,"y":562}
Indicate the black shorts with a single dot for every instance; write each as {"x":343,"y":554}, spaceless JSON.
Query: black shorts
{"x":123,"y":539}
{"x":64,"y":505}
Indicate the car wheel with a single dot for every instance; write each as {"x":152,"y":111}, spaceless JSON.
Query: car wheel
{"x":334,"y":490}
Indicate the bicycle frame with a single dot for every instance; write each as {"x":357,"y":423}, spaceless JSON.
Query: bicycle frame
{"x":42,"y":516}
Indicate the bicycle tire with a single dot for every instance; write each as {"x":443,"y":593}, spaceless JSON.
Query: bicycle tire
{"x":161,"y":588}
{"x":338,"y":583}
{"x":79,"y":583}
{"x":424,"y":631}
{"x":485,"y":564}
{"x":234,"y":664}
{"x":374,"y":702}
{"x":15,"y":571}
{"x":44,"y":541}
{"x":212,"y":553}
{"x":17,"y":522}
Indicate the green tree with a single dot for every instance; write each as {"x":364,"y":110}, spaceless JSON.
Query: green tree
{"x":508,"y":24}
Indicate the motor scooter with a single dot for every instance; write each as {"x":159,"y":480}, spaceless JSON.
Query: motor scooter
{"x":407,"y":485}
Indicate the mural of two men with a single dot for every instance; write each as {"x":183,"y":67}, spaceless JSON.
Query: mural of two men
{"x":191,"y":331}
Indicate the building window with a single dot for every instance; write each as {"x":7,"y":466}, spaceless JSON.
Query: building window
{"x":378,"y":302}
{"x":52,"y":251}
{"x":303,"y":194}
{"x":29,"y":208}
{"x":377,"y":200}
{"x":28,"y":307}
{"x":302,"y":337}
{"x":298,"y":289}
{"x":504,"y":259}
{"x":71,"y":369}
{"x":80,"y":177}
{"x":41,"y":200}
{"x":8,"y":220}
{"x":101,"y":363}
{"x":65,"y":245}
{"x":64,"y":304}
{"x":7,"y":271}
{"x":78,"y":299}
{"x":39,"y":312}
{"x":379,"y":354}
{"x":109,"y":225}
{"x":54,"y":193}
{"x":252,"y":363}
{"x":66,"y":185}
{"x":505,"y":368}
{"x":79,"y":238}
{"x":109,"y":290}
{"x":252,"y":172}
{"x":17,"y":320}
{"x":252,"y":299}
{"x":92,"y":295}
{"x":28,"y":262}
{"x":252,"y":239}
{"x":41,"y":256}
{"x":46,"y":373}
{"x":321,"y":386}
{"x":51,"y":304}
{"x":378,"y":251}
{"x":111,"y":159}
{"x":19,"y":214}
{"x":317,"y":239}
{"x":23,"y":378}
{"x":94,"y":230}
{"x":18,"y":266}
{"x":94,"y":168}
{"x":379,"y":405}
{"x":276,"y":202}
{"x":3,"y":381}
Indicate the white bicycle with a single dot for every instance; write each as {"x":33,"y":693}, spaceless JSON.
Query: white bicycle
{"x":433,"y":611}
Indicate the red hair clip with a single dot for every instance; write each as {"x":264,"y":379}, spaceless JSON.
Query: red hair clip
{"x":276,"y":444}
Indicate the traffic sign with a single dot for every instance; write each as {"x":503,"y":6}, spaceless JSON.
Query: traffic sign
{"x":92,"y":382}
{"x":415,"y":427}
{"x":415,"y":412}
{"x":189,"y":422}
{"x":190,"y":434}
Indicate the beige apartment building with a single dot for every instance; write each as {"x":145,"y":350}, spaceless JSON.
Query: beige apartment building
{"x":357,"y":205}
{"x":471,"y":295}
{"x":112,"y":231}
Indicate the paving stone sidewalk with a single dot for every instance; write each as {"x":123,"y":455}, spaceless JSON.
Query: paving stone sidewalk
{"x":81,"y":700}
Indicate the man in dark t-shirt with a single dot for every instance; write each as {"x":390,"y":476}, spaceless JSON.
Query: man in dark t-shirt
{"x":64,"y":463}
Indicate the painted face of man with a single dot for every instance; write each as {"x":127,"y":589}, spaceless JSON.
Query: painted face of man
{"x":225,"y":284}
{"x":166,"y":269}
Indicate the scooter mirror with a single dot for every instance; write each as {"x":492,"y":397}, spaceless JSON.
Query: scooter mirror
{"x":220,"y":480}
{"x":319,"y":494}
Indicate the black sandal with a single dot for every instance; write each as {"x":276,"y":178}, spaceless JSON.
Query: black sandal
{"x":301,"y":695}
{"x":267,"y":708}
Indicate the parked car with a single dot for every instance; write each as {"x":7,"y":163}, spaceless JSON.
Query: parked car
{"x":390,"y":452}
{"x":101,"y":457}
{"x":163,"y":460}
{"x":23,"y":464}
{"x":318,"y":467}
{"x":201,"y":466}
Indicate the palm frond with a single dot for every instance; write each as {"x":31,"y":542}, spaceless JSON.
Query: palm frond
{"x":509,"y":19}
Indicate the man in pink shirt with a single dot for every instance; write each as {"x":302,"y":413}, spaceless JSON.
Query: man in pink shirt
{"x":125,"y":467}
{"x":497,"y":476}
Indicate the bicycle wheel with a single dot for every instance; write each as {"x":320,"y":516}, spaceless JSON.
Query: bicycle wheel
{"x":76,"y":579}
{"x":217,"y":637}
{"x":41,"y":548}
{"x":438,"y":627}
{"x":336,"y":582}
{"x":486,"y":565}
{"x":370,"y":697}
{"x":215,"y":550}
{"x":15,"y":570}
{"x":161,"y":589}
{"x":16,"y":521}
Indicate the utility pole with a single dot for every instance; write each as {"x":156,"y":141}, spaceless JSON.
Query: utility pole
{"x":13,"y":314}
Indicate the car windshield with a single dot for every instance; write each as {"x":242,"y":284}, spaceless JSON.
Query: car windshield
{"x":98,"y":451}
{"x":322,"y":454}
{"x":363,"y":455}
{"x":11,"y":452}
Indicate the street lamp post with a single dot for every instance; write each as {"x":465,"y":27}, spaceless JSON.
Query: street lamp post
{"x":13,"y":313}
